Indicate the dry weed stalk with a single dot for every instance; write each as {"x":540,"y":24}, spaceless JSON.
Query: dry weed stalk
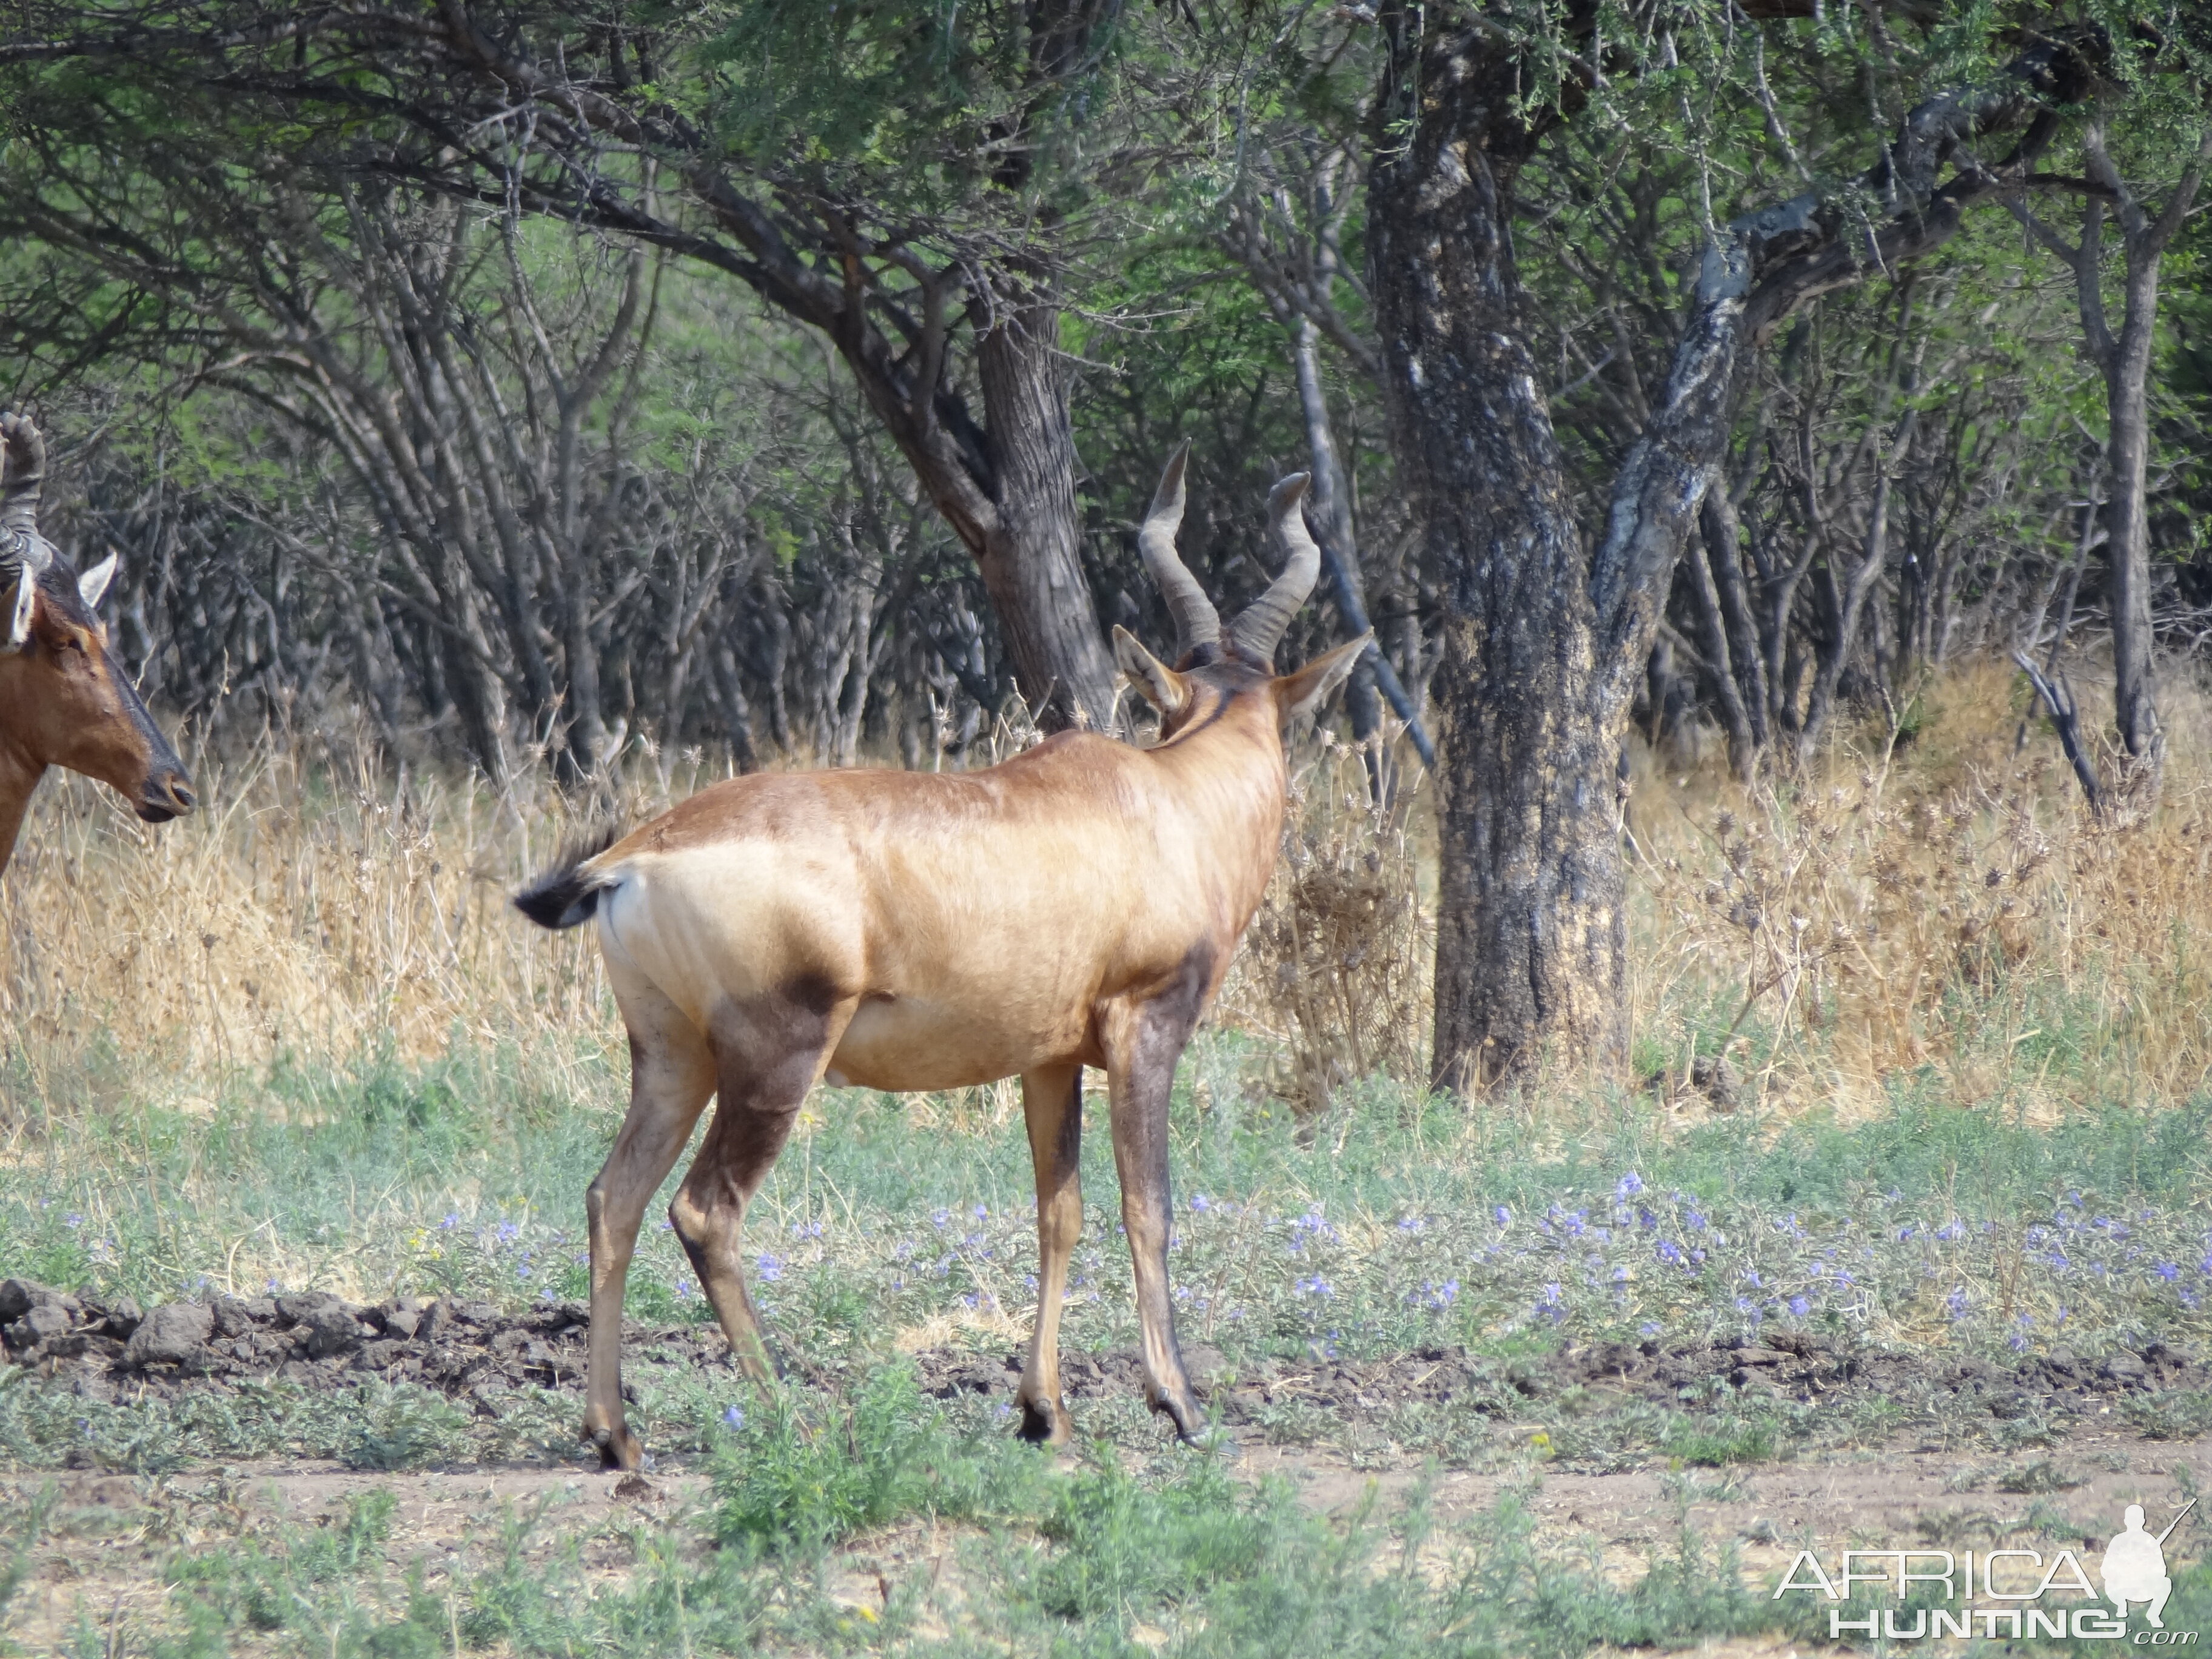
{"x":1335,"y":965}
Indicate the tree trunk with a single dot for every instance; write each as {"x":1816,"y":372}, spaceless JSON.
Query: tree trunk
{"x":1727,"y":637}
{"x":475,"y":695}
{"x":1843,"y":607}
{"x":1031,"y":564}
{"x":2126,"y":361}
{"x":2127,"y":527}
{"x":737,"y":713}
{"x":1531,"y":946}
{"x":1329,"y":506}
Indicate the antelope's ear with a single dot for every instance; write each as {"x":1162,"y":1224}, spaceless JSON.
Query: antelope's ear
{"x":92,"y":586}
{"x":1165,"y":689}
{"x":1302,"y":692}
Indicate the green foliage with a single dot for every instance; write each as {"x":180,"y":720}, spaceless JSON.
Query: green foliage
{"x":2170,"y":1414}
{"x":258,"y":1581}
{"x":860,"y":95}
{"x":407,"y":1428}
{"x":19,"y":1534}
{"x":806,"y":1474}
{"x":1122,"y":1544}
{"x":1727,"y":1440}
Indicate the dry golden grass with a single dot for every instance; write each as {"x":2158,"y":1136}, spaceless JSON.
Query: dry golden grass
{"x":1335,"y":968}
{"x":318,"y":907}
{"x":1935,"y":911}
{"x":1939,"y":908}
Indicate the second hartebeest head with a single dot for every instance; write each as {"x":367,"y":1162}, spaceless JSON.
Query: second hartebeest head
{"x":64,"y":701}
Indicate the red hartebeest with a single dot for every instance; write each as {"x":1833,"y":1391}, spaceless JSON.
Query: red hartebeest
{"x":1076,"y":906}
{"x":64,"y":700}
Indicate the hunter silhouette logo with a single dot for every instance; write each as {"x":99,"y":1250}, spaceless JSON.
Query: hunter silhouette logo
{"x":2008,"y":1593}
{"x":2134,"y":1565}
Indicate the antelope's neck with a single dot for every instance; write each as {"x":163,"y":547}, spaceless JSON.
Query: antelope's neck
{"x":1230,"y":772}
{"x":19,"y":778}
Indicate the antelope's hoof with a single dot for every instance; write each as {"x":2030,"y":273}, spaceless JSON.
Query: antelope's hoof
{"x":1046,"y":1425}
{"x":1208,"y":1438}
{"x":758,"y":1361}
{"x":1190,"y":1425}
{"x":618,"y":1447}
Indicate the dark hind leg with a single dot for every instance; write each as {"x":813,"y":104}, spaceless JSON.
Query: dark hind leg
{"x":1144,"y":1039}
{"x":671,"y":1074}
{"x":1052,"y":1106}
{"x":767,"y":1056}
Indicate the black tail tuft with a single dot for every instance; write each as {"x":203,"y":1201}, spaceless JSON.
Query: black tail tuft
{"x":565,"y":896}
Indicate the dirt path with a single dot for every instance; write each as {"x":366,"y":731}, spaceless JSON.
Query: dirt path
{"x":1944,"y":1499}
{"x":1943,"y":1485}
{"x":109,"y":1535}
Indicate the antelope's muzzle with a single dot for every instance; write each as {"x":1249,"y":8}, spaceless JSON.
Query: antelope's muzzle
{"x":168,"y":794}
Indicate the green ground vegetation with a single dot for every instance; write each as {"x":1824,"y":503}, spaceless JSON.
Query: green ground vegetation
{"x":1389,"y":1225}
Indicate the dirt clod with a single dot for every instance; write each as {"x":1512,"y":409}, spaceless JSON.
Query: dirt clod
{"x":18,"y":1296}
{"x":169,"y":1335}
{"x":478,"y":1357}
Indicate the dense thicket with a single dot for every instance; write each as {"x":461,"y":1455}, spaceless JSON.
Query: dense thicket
{"x":531,"y":379}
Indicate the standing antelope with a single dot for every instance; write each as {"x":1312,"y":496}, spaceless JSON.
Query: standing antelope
{"x":64,"y":700}
{"x":1076,"y":906}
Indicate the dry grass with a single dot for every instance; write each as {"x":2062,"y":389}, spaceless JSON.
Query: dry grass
{"x":320,"y":907}
{"x":1336,"y":967}
{"x":1938,"y":909}
{"x":1935,"y":911}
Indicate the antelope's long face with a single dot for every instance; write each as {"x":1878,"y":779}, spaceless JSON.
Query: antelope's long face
{"x":66,"y":702}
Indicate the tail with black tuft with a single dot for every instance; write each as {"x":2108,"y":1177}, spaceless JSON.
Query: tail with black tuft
{"x":567,"y":894}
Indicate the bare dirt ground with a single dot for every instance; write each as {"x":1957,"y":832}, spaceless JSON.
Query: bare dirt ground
{"x":109,"y":1534}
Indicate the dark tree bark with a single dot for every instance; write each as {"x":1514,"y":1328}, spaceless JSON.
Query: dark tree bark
{"x":1532,"y":932}
{"x":1028,"y":554}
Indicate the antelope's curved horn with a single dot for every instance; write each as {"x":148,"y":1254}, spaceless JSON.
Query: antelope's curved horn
{"x":1197,"y":622}
{"x":1259,"y":629}
{"x":21,"y":478}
